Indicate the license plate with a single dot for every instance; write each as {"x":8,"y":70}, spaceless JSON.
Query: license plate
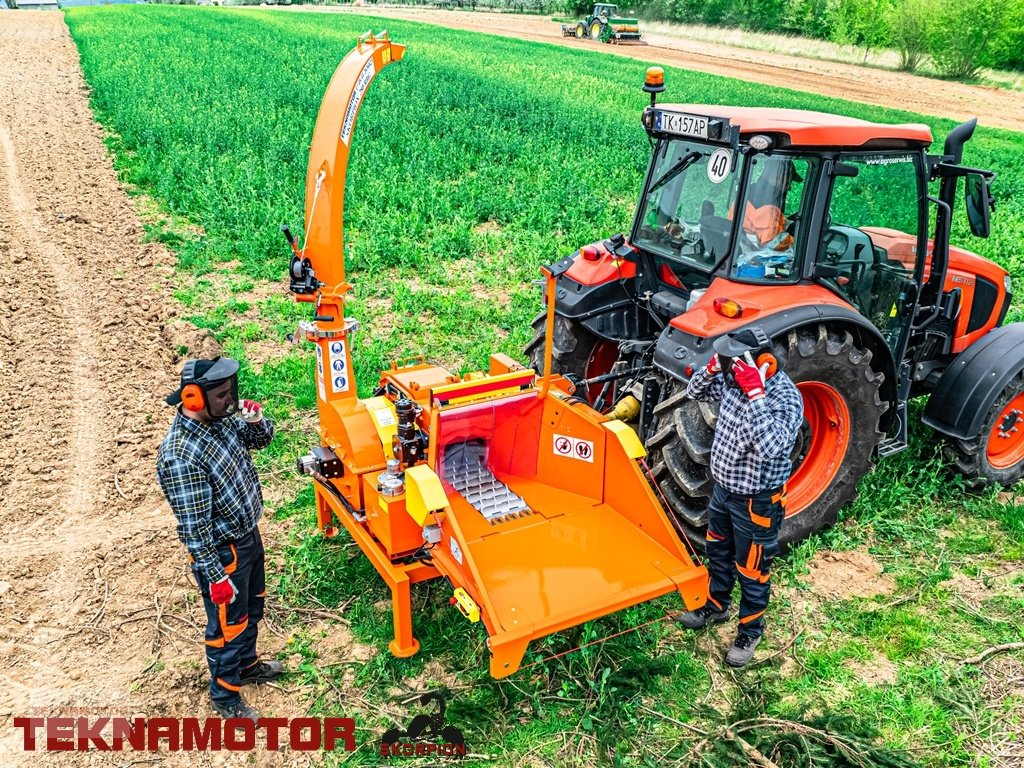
{"x":684,"y":125}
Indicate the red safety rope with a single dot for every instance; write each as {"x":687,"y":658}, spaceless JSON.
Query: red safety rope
{"x":595,"y":642}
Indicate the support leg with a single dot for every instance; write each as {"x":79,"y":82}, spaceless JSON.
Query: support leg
{"x":404,"y":645}
{"x":506,"y":657}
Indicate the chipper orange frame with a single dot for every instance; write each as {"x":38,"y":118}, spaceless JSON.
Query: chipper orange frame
{"x":529,"y":502}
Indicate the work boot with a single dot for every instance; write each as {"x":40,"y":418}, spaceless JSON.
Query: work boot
{"x":706,"y":614}
{"x":236,"y":709}
{"x":742,"y":650}
{"x":261,"y":672}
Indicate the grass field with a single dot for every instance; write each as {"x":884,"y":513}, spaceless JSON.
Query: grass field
{"x":475,"y":161}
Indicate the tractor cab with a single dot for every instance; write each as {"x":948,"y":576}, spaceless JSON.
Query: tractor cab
{"x":778,"y":197}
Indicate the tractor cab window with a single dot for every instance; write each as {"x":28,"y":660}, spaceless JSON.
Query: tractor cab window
{"x":871,"y":232}
{"x":770,"y":219}
{"x":682,"y":215}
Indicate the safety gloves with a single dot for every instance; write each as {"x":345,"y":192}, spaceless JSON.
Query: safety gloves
{"x":714,"y":366}
{"x":749,"y":378}
{"x":223,"y":592}
{"x":251,"y":412}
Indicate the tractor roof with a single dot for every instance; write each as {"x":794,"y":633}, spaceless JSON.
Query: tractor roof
{"x":810,"y":129}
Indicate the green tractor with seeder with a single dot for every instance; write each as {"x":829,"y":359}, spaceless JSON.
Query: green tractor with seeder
{"x":605,"y":25}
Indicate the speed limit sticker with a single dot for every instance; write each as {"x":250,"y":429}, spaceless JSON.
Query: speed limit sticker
{"x":719,"y":164}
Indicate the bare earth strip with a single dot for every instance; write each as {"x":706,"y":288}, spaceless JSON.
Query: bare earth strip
{"x":87,"y":550}
{"x":994,"y":107}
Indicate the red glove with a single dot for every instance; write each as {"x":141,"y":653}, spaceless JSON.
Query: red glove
{"x":251,"y":412}
{"x":749,"y":378}
{"x":714,"y":366}
{"x":223,"y":592}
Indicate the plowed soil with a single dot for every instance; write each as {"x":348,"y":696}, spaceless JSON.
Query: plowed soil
{"x":992,"y":106}
{"x":97,"y":614}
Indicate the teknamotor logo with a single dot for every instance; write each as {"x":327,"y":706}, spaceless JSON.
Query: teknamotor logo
{"x":427,"y":735}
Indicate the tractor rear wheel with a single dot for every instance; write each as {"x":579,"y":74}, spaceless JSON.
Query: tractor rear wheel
{"x":842,"y":412}
{"x":596,"y":28}
{"x":996,"y":455}
{"x":574,"y":350}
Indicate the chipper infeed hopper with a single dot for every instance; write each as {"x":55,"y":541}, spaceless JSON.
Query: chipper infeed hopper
{"x":531,"y":504}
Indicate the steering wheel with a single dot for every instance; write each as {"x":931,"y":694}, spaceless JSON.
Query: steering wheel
{"x":714,"y":232}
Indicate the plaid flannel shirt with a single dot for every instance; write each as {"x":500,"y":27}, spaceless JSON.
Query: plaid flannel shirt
{"x":753,"y":438}
{"x":210,"y":481}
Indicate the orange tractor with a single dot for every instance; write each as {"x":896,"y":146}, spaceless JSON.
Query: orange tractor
{"x":531,"y":504}
{"x":817,"y":229}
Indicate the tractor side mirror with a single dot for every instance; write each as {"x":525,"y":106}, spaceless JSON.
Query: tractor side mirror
{"x":979,"y":204}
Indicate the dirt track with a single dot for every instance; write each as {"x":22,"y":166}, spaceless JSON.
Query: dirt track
{"x":88,"y":559}
{"x":992,"y":106}
{"x":88,"y":556}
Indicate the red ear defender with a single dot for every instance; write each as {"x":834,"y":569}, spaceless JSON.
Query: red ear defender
{"x":192,"y":397}
{"x":771,"y":360}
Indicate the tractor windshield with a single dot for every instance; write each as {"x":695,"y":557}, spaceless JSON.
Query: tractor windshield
{"x":683,"y":212}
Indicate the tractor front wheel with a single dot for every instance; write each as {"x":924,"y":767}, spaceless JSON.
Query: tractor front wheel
{"x":581,"y":30}
{"x":996,"y":455}
{"x":842,"y":412}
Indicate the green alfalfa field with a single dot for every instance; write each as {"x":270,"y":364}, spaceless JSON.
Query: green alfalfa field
{"x":476,"y":160}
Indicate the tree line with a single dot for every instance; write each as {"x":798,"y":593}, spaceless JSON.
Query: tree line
{"x":959,"y":37}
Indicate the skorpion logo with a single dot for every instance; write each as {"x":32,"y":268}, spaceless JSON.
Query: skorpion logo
{"x":427,"y":735}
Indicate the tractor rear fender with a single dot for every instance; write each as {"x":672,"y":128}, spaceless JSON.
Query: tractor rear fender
{"x":972,"y":382}
{"x":677,"y":349}
{"x":608,"y":310}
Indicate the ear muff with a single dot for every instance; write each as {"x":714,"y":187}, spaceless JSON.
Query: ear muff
{"x":771,"y":361}
{"x":192,"y":397}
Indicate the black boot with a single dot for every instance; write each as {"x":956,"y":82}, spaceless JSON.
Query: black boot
{"x":707,"y":614}
{"x":236,"y":709}
{"x":261,"y":672}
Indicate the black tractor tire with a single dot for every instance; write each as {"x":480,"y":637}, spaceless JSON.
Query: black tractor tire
{"x":596,"y":30}
{"x":819,"y":360}
{"x":581,"y":31}
{"x":975,"y":459}
{"x":572,"y":351}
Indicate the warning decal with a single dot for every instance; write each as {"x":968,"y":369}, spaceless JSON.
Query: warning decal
{"x":320,"y":373}
{"x":338,"y":372}
{"x":571,"y":448}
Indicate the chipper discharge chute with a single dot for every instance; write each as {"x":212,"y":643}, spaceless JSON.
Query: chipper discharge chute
{"x":529,"y":502}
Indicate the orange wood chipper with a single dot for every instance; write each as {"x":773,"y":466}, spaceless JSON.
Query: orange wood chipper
{"x":529,"y":502}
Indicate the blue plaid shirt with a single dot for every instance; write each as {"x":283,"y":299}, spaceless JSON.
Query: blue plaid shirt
{"x":210,"y":481}
{"x":753,"y":438}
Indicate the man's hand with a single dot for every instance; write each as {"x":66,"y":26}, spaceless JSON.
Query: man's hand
{"x":749,"y":378}
{"x":251,"y":412}
{"x":223,"y":592}
{"x":714,"y":366}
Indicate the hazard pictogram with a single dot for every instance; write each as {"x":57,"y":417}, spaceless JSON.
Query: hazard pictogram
{"x":583,"y":450}
{"x":563,"y":445}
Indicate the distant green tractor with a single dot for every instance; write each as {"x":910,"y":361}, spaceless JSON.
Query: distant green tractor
{"x":604,"y":24}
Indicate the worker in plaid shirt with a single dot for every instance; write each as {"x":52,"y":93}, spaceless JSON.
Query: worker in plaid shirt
{"x":210,"y":482}
{"x":759,"y":417}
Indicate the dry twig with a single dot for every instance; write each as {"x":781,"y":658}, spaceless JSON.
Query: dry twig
{"x":1001,"y":648}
